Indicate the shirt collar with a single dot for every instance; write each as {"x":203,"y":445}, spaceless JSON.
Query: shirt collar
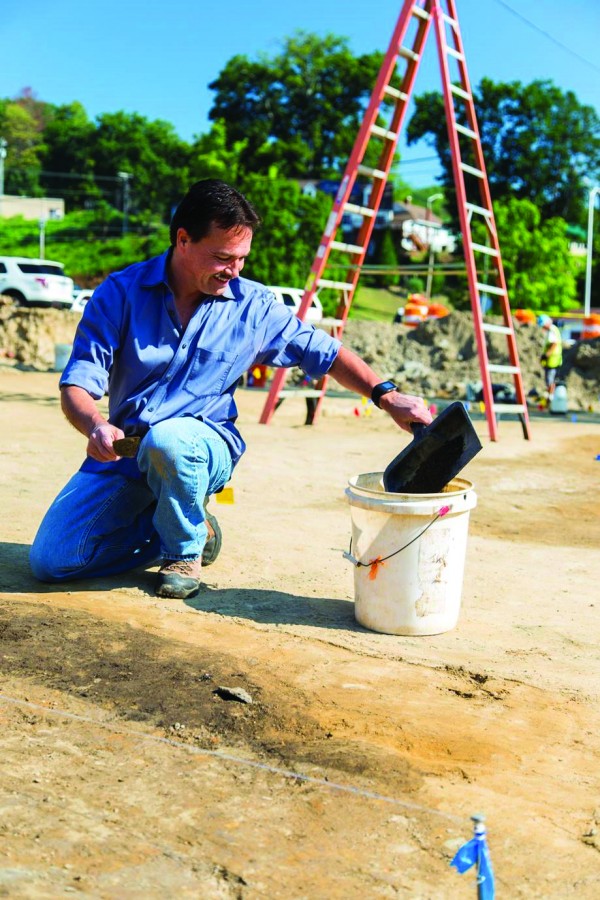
{"x":156,"y":274}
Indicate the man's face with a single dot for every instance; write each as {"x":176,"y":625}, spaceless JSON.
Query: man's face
{"x":210,"y":263}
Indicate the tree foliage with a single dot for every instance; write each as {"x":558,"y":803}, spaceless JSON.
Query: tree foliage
{"x":540,"y":272}
{"x":293,"y":223}
{"x":150,"y":152}
{"x":301,"y":109}
{"x":539,"y":143}
{"x":24,"y":148}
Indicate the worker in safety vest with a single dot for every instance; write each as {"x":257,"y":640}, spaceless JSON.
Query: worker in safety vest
{"x":551,"y":358}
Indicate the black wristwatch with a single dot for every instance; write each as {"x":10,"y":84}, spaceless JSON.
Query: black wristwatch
{"x":380,"y":389}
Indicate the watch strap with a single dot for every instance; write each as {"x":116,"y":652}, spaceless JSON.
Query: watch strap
{"x":380,"y":389}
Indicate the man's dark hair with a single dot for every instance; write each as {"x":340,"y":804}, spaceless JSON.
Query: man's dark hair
{"x":211,"y":202}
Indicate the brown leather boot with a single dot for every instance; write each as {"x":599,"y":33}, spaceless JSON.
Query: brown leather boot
{"x":179,"y":578}
{"x":212,"y":547}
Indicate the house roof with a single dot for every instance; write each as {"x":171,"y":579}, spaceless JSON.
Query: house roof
{"x":409,"y":211}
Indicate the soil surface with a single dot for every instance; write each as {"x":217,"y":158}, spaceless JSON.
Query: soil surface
{"x":127,"y":772}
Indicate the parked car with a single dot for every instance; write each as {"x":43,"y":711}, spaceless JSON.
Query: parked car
{"x":35,"y":282}
{"x":80,"y":298}
{"x":292,"y":298}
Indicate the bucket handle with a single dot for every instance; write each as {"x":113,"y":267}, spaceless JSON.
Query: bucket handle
{"x":380,"y":560}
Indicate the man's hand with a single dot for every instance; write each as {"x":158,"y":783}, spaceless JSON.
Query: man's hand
{"x":100,"y":442}
{"x":405,"y":409}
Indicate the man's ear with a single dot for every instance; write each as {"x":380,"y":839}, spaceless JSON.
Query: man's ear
{"x":183,"y":237}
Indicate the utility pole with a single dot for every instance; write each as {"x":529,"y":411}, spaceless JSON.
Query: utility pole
{"x":125,"y":176}
{"x":430,"y":201}
{"x":3,"y":146}
{"x":42,"y":224}
{"x":590,"y":242}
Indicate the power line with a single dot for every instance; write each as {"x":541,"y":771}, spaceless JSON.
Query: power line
{"x":548,"y":35}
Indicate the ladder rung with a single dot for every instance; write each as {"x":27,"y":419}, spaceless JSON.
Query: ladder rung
{"x":383,"y":132}
{"x":407,"y":53}
{"x":371,"y":173}
{"x":481,"y":210}
{"x":419,"y":11}
{"x":509,"y":407}
{"x":394,"y":92}
{"x":497,"y":329}
{"x":460,"y":92}
{"x":455,"y":53}
{"x":451,"y":22}
{"x":490,"y":289}
{"x":464,"y":130}
{"x":299,"y":392}
{"x":347,"y":248}
{"x":336,"y":285}
{"x":361,"y":210}
{"x":482,"y":248}
{"x":472,"y":170}
{"x":510,"y":370}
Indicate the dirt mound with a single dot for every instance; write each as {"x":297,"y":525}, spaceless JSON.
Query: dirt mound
{"x":436,"y":359}
{"x":30,"y":335}
{"x":439,"y":358}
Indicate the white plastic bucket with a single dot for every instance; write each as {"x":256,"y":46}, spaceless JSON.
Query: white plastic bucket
{"x":418,"y":589}
{"x":62,"y":352}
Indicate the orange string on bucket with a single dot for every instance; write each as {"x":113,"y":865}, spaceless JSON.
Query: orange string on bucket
{"x":374,"y":566}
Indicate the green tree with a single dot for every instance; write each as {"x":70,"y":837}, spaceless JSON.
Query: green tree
{"x":539,"y":143}
{"x":540,"y":272}
{"x":300,"y":109}
{"x":283,"y":249}
{"x":68,"y":156}
{"x":24,"y":149}
{"x":151,"y":152}
{"x":212,"y":158}
{"x":385,"y":255}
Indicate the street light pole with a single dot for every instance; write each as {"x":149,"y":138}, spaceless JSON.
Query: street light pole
{"x":430,"y":201}
{"x":126,"y":177}
{"x":590,"y":241}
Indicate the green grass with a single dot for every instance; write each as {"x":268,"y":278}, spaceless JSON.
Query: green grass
{"x":375,"y":304}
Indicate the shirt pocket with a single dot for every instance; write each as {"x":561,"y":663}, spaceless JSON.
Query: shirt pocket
{"x":209,"y":372}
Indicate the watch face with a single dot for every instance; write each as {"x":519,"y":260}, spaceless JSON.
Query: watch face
{"x":380,"y":389}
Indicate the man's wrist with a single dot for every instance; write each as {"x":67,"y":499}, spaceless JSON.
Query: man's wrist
{"x":384,"y":387}
{"x":95,"y":429}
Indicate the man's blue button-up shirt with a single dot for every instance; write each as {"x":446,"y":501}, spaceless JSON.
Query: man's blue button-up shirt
{"x":129,"y":343}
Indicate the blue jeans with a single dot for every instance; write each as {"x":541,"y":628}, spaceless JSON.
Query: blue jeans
{"x":104,"y":523}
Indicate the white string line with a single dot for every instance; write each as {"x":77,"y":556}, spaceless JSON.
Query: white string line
{"x":228,"y":757}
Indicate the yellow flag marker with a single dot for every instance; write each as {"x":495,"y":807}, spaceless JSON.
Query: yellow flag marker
{"x":225,"y":496}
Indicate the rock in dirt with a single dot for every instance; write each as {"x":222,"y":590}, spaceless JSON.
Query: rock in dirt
{"x":233,"y":693}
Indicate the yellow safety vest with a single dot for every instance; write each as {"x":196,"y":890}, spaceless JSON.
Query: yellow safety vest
{"x":555,"y":358}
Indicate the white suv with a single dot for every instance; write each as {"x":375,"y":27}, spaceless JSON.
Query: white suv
{"x":35,"y":282}
{"x":292,"y":298}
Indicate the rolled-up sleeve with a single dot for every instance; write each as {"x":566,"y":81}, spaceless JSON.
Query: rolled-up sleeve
{"x":290,"y":342}
{"x":96,"y":341}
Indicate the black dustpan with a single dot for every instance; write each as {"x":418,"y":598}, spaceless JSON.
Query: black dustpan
{"x":436,"y":454}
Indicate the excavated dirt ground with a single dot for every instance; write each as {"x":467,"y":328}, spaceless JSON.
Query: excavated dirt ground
{"x":355,"y":770}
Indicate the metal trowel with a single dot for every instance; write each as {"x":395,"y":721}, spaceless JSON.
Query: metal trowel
{"x":437,"y":453}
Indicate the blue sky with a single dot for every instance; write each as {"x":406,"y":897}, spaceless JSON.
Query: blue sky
{"x":157,"y":58}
